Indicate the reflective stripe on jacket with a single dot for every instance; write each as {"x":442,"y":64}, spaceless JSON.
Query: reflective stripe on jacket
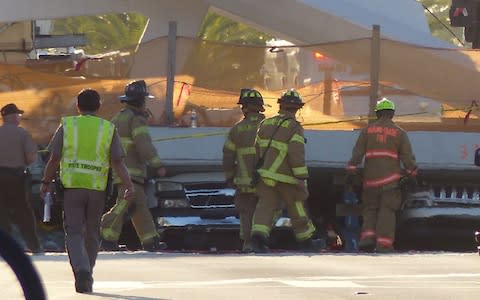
{"x":385,"y":147}
{"x":86,"y":152}
{"x":285,"y":159}
{"x":239,"y":152}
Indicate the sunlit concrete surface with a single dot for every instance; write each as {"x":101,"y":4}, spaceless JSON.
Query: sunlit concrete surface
{"x":142,"y":275}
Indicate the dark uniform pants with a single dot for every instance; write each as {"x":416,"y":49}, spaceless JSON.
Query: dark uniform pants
{"x":271,"y":198}
{"x":379,"y":215}
{"x":82,"y":210}
{"x":15,"y":206}
{"x":112,"y":221}
{"x":246,"y":204}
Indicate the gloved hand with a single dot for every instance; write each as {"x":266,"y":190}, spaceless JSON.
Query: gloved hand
{"x":230,"y":183}
{"x":302,"y":183}
{"x":161,"y":172}
{"x":409,"y":183}
{"x":349,"y":178}
{"x":255,"y":178}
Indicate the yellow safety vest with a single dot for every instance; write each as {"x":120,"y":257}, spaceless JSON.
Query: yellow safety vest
{"x":86,"y":152}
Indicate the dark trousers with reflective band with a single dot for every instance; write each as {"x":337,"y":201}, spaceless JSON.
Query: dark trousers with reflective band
{"x":15,"y":208}
{"x":246,"y":204}
{"x":82,"y":211}
{"x":270,"y":198}
{"x":379,"y":214}
{"x":113,"y":220}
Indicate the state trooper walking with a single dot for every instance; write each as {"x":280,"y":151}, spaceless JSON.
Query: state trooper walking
{"x":83,"y":149}
{"x":385,"y":146}
{"x":280,"y":147}
{"x":131,"y":123}
{"x":239,"y":160}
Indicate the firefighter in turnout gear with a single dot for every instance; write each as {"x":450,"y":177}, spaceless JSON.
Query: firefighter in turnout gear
{"x":239,"y":160}
{"x":385,"y":148}
{"x":131,"y":123}
{"x":280,"y":153}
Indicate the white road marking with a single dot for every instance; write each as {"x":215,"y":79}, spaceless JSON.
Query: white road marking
{"x":397,"y":276}
{"x":297,"y":282}
{"x":321,"y":284}
{"x":136,"y":285}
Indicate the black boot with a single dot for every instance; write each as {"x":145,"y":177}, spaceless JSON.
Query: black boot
{"x":247,"y":247}
{"x":367,"y":245}
{"x":477,"y":239}
{"x":384,"y":249}
{"x":259,"y":244}
{"x":37,"y":250}
{"x":83,"y":282}
{"x":312,"y":245}
{"x":106,"y":245}
{"x":155,"y":245}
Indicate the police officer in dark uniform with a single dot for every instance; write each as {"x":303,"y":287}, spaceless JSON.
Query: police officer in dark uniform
{"x":17,"y":151}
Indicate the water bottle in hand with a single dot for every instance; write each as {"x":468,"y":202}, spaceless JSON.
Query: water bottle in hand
{"x":47,"y":204}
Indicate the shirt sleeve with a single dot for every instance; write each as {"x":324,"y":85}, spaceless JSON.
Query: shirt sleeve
{"x":406,"y":155}
{"x":56,"y":143}
{"x":296,"y":153}
{"x":30,"y":146}
{"x":116,"y":149}
{"x":229,"y":155}
{"x":143,"y":143}
{"x":359,"y":150}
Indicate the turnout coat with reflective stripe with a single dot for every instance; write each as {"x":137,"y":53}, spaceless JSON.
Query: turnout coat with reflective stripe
{"x":239,"y":152}
{"x":131,"y":124}
{"x":285,"y":159}
{"x":86,"y":152}
{"x":384,"y":146}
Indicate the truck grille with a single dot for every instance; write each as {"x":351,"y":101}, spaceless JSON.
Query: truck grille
{"x":445,"y":196}
{"x":457,"y":194}
{"x":210,"y":195}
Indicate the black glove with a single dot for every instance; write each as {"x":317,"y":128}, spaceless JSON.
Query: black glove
{"x":349,"y":178}
{"x":230,"y":183}
{"x":409,"y":183}
{"x":255,"y":178}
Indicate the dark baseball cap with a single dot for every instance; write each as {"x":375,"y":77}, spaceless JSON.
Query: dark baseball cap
{"x":11,"y":109}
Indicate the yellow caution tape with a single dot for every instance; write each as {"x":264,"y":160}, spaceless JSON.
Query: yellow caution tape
{"x":349,"y":120}
{"x":188,"y":136}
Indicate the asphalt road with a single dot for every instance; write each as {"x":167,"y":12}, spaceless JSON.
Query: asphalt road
{"x":142,"y":275}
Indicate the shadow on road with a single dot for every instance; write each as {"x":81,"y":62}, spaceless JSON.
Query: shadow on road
{"x":122,"y":297}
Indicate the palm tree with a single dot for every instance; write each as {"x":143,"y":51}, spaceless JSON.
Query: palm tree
{"x":218,"y":28}
{"x":105,"y":32}
{"x":438,"y":20}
